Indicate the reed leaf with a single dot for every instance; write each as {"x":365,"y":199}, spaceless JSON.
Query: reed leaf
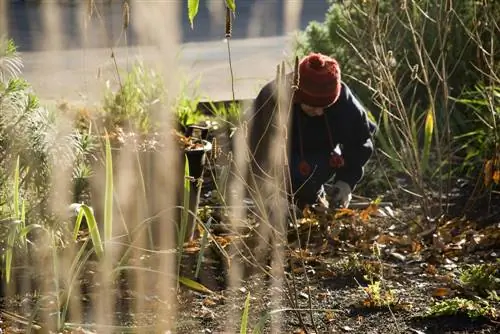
{"x":189,"y":283}
{"x":108,"y":196}
{"x":16,"y":190}
{"x":193,"y":6}
{"x":244,"y":316}
{"x":86,"y":211}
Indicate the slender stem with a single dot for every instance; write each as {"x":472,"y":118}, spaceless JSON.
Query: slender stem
{"x":231,"y":68}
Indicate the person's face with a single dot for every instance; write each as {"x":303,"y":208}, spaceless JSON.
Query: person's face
{"x":312,"y":111}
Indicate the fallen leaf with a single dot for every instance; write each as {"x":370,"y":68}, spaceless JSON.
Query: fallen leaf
{"x":496,"y":177}
{"x":416,"y":247}
{"x":209,"y":302}
{"x":431,"y":269}
{"x":372,"y":209}
{"x":329,"y":316}
{"x":343,"y":212}
{"x":441,"y":292}
{"x":193,"y":285}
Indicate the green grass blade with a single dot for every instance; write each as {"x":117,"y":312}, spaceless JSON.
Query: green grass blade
{"x":78,"y":222}
{"x":56,"y":273}
{"x":244,"y":316}
{"x":428,"y":131}
{"x":93,"y":230}
{"x":108,"y":197}
{"x":203,"y":244}
{"x":193,"y":6}
{"x":11,"y":239}
{"x":25,"y":230}
{"x":76,"y":268}
{"x":16,"y":190}
{"x":23,"y":223}
{"x":194,"y":285}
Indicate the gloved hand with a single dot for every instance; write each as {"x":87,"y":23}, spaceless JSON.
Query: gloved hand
{"x":339,"y":194}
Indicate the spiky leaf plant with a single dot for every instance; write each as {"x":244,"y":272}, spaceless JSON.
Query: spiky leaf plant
{"x":28,"y":132}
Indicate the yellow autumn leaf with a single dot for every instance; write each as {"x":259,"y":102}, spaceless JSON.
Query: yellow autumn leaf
{"x":496,"y":177}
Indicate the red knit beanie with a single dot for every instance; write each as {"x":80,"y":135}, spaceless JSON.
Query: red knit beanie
{"x":319,"y":81}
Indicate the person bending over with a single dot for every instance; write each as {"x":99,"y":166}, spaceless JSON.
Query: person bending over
{"x":330,"y":135}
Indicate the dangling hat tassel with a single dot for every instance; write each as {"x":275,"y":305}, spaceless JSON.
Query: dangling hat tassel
{"x":336,"y":160}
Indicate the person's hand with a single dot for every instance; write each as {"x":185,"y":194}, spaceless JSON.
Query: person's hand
{"x":339,"y":194}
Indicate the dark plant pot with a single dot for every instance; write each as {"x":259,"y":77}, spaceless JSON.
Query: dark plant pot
{"x":196,"y":158}
{"x":196,"y":161}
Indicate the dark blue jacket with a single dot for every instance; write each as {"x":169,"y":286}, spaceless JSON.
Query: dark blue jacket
{"x":351,"y":132}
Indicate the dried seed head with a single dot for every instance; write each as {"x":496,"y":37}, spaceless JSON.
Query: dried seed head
{"x":283,"y":69}
{"x":90,"y":8}
{"x":295,"y":84}
{"x":414,"y":72}
{"x":278,"y":71}
{"x":126,"y":15}
{"x":229,"y":23}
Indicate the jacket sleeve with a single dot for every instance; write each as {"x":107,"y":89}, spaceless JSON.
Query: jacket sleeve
{"x":357,"y":144}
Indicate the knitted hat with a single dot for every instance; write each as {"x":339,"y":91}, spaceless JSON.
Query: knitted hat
{"x":319,"y":81}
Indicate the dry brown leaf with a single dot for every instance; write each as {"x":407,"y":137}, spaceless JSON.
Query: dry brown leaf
{"x":441,"y":292}
{"x":191,"y":246}
{"x":209,"y":302}
{"x":322,"y":296}
{"x":365,"y":214}
{"x":386,"y":239}
{"x":223,"y":241}
{"x":431,"y":269}
{"x":416,"y":247}
{"x":329,"y":316}
{"x":298,"y":270}
{"x":488,"y":172}
{"x":344,"y":213}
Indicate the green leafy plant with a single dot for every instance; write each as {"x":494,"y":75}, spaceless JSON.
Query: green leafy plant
{"x":453,"y":306}
{"x":136,"y":102}
{"x":477,"y":137}
{"x":227,"y":114}
{"x":406,"y":63}
{"x":482,"y":278}
{"x":378,"y":296}
{"x":193,"y":6}
{"x":244,"y":315}
{"x":186,"y":111}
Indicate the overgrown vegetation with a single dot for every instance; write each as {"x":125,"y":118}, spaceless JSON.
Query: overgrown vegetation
{"x":428,"y":72}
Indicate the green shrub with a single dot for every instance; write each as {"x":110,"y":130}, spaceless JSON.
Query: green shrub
{"x":406,"y":61}
{"x":27,"y":129}
{"x":134,"y":105}
{"x":406,"y":38}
